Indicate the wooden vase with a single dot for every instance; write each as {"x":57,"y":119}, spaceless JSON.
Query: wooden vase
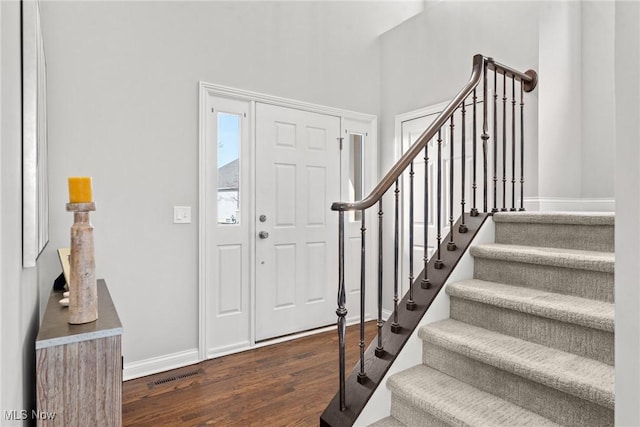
{"x":83,"y":293}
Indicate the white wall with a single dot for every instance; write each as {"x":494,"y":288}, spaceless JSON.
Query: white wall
{"x":627,"y":186}
{"x":1,"y":180}
{"x":560,"y":100}
{"x":569,"y":123}
{"x":123,"y":108}
{"x":576,"y":109}
{"x":598,"y":99}
{"x":18,"y":287}
{"x":428,"y":59}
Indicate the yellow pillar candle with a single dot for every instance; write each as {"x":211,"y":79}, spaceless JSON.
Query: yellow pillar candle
{"x":80,"y":189}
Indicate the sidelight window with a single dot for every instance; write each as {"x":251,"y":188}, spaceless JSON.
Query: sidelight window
{"x":356,"y":170}
{"x":229,"y":137}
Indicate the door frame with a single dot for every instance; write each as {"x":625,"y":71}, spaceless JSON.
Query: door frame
{"x":214,"y":90}
{"x":400,"y":148}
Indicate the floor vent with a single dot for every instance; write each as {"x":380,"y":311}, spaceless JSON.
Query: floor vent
{"x":173,"y":378}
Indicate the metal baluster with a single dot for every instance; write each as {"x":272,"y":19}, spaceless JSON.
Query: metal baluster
{"x":395,"y":326}
{"x":362,"y":376}
{"x":485,"y":137}
{"x":342,"y":310}
{"x":439,"y":264}
{"x":513,"y":144}
{"x":521,"y":145}
{"x":495,"y":140}
{"x":451,"y":246}
{"x":504,"y":142}
{"x":411,"y":304}
{"x":474,"y":186}
{"x":463,"y":227}
{"x":379,"y":348}
{"x":425,"y":283}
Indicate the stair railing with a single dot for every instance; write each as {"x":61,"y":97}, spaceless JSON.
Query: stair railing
{"x":482,"y":66}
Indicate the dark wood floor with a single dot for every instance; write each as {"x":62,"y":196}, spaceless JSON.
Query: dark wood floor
{"x":287,"y":384}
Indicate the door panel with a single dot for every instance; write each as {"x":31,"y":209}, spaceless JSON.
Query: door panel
{"x":297,"y":179}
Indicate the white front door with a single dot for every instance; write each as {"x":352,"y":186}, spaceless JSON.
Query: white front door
{"x":297,"y":179}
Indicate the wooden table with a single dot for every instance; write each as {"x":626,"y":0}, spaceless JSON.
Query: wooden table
{"x":79,"y":367}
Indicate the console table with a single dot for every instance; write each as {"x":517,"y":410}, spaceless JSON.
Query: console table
{"x":79,"y":367}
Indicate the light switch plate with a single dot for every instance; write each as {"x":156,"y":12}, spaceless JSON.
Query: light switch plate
{"x":182,"y":214}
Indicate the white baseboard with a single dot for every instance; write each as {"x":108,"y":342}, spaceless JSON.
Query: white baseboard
{"x":181,"y":359}
{"x":569,"y":204}
{"x":154,"y":365}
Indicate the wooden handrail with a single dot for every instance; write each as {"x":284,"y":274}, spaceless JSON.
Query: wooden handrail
{"x":529,"y":78}
{"x":440,"y":266}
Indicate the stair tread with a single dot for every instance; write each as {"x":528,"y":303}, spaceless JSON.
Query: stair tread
{"x":458,"y":403}
{"x":584,"y":378}
{"x":568,"y":218}
{"x":565,"y":308}
{"x":568,"y":258}
{"x":387,"y":422}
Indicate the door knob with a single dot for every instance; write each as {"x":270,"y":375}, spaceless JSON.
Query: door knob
{"x":263,"y":234}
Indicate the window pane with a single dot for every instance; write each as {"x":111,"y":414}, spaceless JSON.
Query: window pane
{"x":356,"y":175}
{"x":228,"y":168}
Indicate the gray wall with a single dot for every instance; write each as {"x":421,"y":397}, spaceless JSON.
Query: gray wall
{"x":123,"y":108}
{"x":18,"y":287}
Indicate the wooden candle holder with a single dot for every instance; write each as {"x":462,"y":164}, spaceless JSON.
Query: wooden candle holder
{"x":83,"y":293}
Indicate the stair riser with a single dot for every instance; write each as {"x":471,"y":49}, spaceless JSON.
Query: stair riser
{"x":582,"y":283}
{"x":580,"y":340}
{"x":553,"y":404}
{"x":567,"y":236}
{"x":411,"y":415}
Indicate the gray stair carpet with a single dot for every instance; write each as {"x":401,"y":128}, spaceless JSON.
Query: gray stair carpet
{"x":586,"y":231}
{"x":581,"y":377}
{"x":565,"y":308}
{"x":530,"y":339}
{"x":455,"y":402}
{"x":554,"y":257}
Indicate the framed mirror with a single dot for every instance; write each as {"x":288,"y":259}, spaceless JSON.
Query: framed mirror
{"x":35,"y":189}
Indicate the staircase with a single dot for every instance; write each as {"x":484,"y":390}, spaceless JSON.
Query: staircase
{"x":530,"y":339}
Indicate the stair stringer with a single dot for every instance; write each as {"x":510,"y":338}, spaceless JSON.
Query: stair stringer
{"x":379,"y":405}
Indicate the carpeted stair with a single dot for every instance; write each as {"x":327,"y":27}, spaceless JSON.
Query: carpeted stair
{"x":530,"y":338}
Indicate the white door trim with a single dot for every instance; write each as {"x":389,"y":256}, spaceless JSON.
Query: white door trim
{"x":399,"y":150}
{"x":210,"y":89}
